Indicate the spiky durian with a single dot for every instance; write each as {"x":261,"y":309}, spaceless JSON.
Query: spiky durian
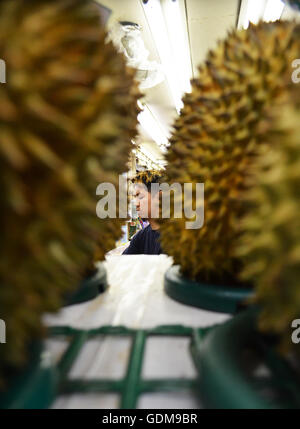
{"x":215,"y":140}
{"x":67,"y":115}
{"x":270,"y":241}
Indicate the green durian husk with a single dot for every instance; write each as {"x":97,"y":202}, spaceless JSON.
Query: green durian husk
{"x":269,"y":244}
{"x":215,"y":141}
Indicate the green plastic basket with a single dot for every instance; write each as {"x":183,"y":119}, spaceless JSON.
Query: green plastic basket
{"x":132,"y":385}
{"x":33,"y":387}
{"x":217,"y":352}
{"x":38,"y":387}
{"x":211,"y":297}
{"x":89,"y":288}
{"x":226,"y":381}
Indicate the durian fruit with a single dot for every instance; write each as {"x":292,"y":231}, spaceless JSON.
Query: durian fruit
{"x":68,"y":113}
{"x":215,"y":141}
{"x":270,"y":240}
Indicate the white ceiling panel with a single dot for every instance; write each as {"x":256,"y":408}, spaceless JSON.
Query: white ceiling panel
{"x":205,"y":22}
{"x":208,"y":21}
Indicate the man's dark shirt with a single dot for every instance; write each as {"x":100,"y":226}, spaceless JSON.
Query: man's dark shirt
{"x":145,"y":241}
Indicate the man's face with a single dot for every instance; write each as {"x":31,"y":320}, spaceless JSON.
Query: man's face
{"x":143,"y":201}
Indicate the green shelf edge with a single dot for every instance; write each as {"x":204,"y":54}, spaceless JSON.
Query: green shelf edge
{"x":89,"y":288}
{"x":222,"y":299}
{"x":132,"y":385}
{"x":33,"y":387}
{"x":222,"y":382}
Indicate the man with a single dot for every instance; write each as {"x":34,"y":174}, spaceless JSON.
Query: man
{"x":146,"y":241}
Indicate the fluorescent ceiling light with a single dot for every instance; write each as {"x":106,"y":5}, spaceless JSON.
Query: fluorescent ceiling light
{"x":166,"y":130}
{"x":179,"y":42}
{"x":167,"y":31}
{"x":273,"y":10}
{"x":254,"y":10}
{"x":152,"y":127}
{"x":145,"y":156}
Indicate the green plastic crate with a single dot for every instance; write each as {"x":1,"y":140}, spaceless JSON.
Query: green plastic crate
{"x":226,"y":383}
{"x":223,"y":299}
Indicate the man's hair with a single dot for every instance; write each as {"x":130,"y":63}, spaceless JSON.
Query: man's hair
{"x":147,"y":178}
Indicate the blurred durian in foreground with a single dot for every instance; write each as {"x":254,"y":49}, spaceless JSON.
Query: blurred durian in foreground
{"x":270,"y":239}
{"x":68,"y":112}
{"x":215,"y":141}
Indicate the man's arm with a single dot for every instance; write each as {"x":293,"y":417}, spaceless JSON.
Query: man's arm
{"x":134,"y":246}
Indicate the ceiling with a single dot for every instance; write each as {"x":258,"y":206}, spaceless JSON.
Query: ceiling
{"x":204,"y":22}
{"x":208,"y":21}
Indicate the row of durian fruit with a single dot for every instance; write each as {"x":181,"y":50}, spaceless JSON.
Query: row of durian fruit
{"x":67,"y":115}
{"x":68,"y":112}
